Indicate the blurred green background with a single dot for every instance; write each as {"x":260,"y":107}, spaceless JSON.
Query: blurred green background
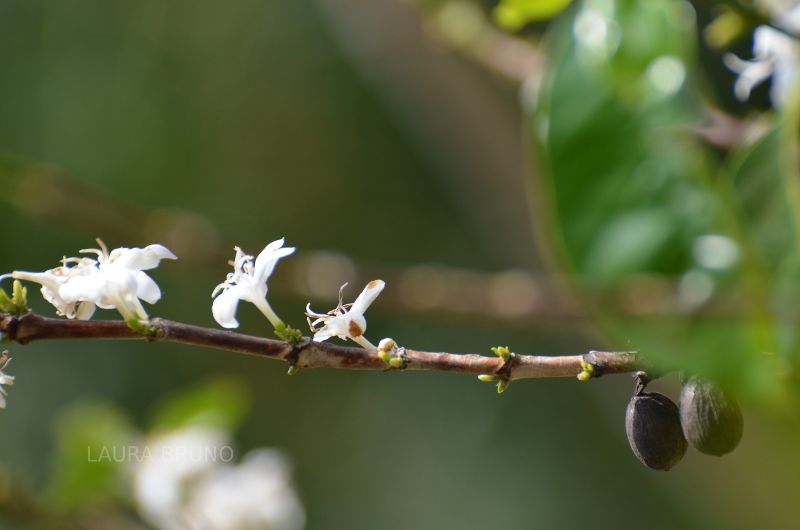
{"x":391,"y":139}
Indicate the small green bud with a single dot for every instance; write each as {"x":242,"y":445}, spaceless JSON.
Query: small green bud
{"x":293,"y":370}
{"x":487,"y":378}
{"x":587,"y":371}
{"x":502,"y":351}
{"x":397,"y":362}
{"x":143,"y":328}
{"x":502,"y":385}
{"x":19,"y":298}
{"x":385,"y":356}
{"x":289,"y":334}
{"x":6,"y":306}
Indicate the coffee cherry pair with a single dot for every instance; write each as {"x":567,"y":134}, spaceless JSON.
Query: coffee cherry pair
{"x":658,"y":429}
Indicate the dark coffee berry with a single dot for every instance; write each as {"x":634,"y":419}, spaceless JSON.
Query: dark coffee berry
{"x":652,"y":422}
{"x":711,"y":418}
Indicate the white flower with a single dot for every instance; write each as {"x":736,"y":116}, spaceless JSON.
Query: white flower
{"x":115,"y":280}
{"x":5,"y":379}
{"x":346,"y":321}
{"x":170,"y":462}
{"x":775,"y":54}
{"x":120,"y":281}
{"x":257,"y":493}
{"x":248,"y":282}
{"x":184,"y":480}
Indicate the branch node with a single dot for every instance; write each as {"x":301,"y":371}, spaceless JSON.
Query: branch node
{"x":399,"y":360}
{"x":504,"y":372}
{"x":293,"y":357}
{"x":10,"y":328}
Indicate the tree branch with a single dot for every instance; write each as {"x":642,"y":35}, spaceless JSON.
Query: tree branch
{"x":309,"y":354}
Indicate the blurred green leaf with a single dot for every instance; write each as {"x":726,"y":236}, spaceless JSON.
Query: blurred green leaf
{"x":633,"y":194}
{"x":91,"y":438}
{"x":513,"y":14}
{"x":761,"y":200}
{"x":627,"y":183}
{"x":768,"y":219}
{"x":221,"y":403}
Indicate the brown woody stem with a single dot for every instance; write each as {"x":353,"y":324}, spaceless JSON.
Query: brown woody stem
{"x":309,"y":354}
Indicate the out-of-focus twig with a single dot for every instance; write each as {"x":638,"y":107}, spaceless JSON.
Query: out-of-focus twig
{"x":513,"y":296}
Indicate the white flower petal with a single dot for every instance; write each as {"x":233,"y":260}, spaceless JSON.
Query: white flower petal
{"x":85,"y":310}
{"x":83,"y":288}
{"x":322,"y":335}
{"x":146,"y":288}
{"x":367,"y":296}
{"x":46,"y":279}
{"x":338,"y":326}
{"x":141,"y":258}
{"x":224,"y":308}
{"x":275,"y":245}
{"x":268,"y":258}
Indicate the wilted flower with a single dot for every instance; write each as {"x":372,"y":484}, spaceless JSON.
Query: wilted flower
{"x":115,"y":280}
{"x":248,"y":282}
{"x":346,"y":321}
{"x":5,"y":379}
{"x":775,"y":54}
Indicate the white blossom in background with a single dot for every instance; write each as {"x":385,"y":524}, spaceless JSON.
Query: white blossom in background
{"x":5,"y":379}
{"x":186,"y":481}
{"x":248,"y":282}
{"x":254,"y":494}
{"x":784,"y":13}
{"x":114,"y":280}
{"x":346,"y":321}
{"x":169,"y":463}
{"x":776,"y":55}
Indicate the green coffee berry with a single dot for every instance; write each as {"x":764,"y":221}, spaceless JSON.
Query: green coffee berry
{"x":711,"y":418}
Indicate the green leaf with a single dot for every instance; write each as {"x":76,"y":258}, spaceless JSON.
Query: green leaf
{"x":628,"y":184}
{"x":91,"y":440}
{"x":513,"y":14}
{"x":220,"y":403}
{"x":768,"y":215}
{"x":632,"y":193}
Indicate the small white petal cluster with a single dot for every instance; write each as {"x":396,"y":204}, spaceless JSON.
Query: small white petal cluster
{"x":776,"y":53}
{"x":187,"y":482}
{"x":346,"y":321}
{"x":114,"y":280}
{"x":248,"y":282}
{"x":256,"y":493}
{"x":5,"y":379}
{"x":171,"y":460}
{"x":784,"y":13}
